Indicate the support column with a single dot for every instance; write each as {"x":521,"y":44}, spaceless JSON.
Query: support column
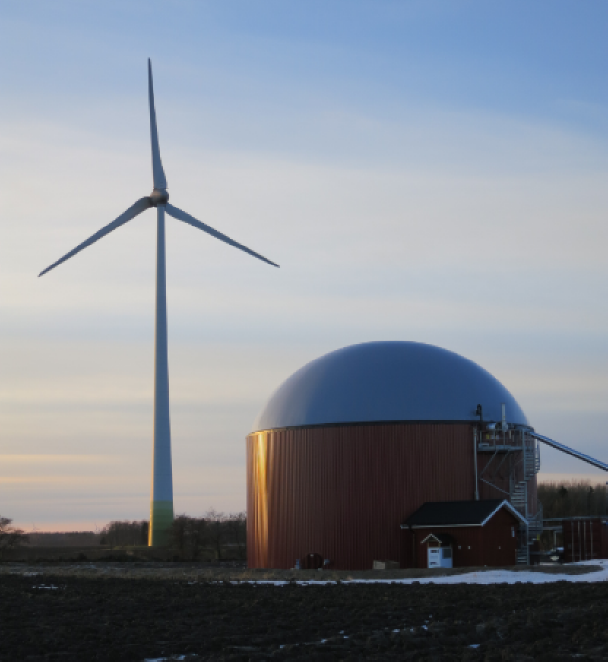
{"x":161,"y":500}
{"x":475,"y":462}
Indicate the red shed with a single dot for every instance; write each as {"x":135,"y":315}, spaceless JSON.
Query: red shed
{"x":461,"y":533}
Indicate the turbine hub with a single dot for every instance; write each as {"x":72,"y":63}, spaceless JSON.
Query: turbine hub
{"x":159,"y":196}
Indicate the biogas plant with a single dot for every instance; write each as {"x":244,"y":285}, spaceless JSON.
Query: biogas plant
{"x":399,"y":451}
{"x":394,"y":451}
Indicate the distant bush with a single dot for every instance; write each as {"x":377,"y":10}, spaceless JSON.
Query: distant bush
{"x":125,"y":534}
{"x":63,"y":539}
{"x":10,"y":537}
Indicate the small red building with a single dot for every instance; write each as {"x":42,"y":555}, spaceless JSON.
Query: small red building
{"x":585,"y":539}
{"x":456,"y":534}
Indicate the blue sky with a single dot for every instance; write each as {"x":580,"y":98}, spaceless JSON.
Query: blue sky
{"x":430,"y":171}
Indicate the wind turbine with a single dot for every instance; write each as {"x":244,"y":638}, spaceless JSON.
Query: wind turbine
{"x":161,"y":500}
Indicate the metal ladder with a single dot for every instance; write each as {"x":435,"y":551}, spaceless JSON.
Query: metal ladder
{"x":519,"y":499}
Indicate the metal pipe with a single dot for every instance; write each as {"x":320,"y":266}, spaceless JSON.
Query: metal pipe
{"x":505,"y":456}
{"x":487,"y":482}
{"x":585,"y":540}
{"x":475,"y":464}
{"x":575,"y":518}
{"x":570,"y":451}
{"x":572,"y":536}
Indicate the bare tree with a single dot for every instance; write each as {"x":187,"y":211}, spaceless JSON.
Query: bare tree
{"x":144,"y":530}
{"x":10,"y":537}
{"x":198,"y":537}
{"x":236,"y":529}
{"x":179,"y":533}
{"x":216,"y":531}
{"x":188,"y":536}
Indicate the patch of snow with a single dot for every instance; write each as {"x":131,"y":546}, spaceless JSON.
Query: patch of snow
{"x":478,"y":577}
{"x":505,"y":577}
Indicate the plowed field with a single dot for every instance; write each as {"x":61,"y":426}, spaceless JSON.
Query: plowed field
{"x":65,"y":616}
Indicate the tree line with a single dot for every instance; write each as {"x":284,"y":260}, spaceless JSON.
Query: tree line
{"x":573,"y":499}
{"x":215,"y":536}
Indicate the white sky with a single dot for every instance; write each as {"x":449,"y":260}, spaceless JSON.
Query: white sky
{"x":419,"y":172}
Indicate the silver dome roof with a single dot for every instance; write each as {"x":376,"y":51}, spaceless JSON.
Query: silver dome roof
{"x":387,"y":381}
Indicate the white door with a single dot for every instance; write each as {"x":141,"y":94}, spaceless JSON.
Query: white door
{"x":434,"y":555}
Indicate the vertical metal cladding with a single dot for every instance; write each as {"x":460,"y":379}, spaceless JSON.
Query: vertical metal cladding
{"x":343,"y":491}
{"x":257,"y":499}
{"x":585,"y":539}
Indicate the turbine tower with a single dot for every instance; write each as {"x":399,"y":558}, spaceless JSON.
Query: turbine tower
{"x":161,"y":500}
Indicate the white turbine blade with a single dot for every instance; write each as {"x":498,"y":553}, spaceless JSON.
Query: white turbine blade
{"x":186,"y":218}
{"x":158,"y":174}
{"x":134,"y":210}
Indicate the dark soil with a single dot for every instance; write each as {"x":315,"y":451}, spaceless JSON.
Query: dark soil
{"x":64,"y":616}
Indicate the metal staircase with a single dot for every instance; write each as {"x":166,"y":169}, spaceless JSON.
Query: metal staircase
{"x":514,"y":451}
{"x":523,"y":552}
{"x":519,"y":495}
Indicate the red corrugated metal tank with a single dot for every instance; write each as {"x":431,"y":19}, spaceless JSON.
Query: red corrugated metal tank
{"x":353,"y":443}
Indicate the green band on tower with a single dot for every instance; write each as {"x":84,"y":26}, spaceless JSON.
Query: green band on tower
{"x":161,"y":519}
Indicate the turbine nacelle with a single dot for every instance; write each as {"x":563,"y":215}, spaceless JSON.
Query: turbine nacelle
{"x":159,"y":197}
